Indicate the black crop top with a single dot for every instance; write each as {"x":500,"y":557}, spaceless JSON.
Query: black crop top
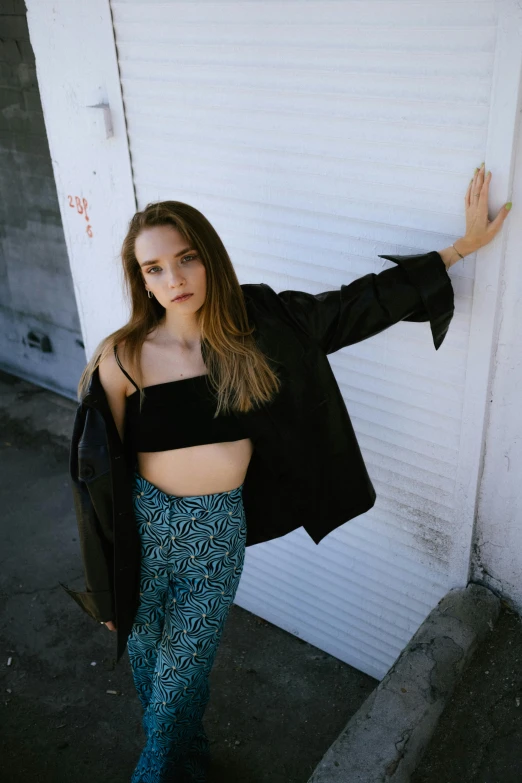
{"x":176,"y":414}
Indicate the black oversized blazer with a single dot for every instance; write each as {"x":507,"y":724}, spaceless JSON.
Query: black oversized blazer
{"x":306,"y":467}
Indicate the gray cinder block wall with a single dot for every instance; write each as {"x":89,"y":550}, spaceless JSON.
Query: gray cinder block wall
{"x":40,"y":335}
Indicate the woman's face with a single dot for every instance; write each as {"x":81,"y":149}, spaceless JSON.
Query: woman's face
{"x":170,"y":268}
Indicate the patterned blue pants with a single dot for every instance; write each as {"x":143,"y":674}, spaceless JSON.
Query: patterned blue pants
{"x":192,"y":555}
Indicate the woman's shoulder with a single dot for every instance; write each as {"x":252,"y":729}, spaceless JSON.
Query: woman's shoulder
{"x":254,"y":289}
{"x":258,"y":295}
{"x":112,"y":378}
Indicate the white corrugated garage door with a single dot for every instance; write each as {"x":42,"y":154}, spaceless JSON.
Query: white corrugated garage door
{"x":314,"y":136}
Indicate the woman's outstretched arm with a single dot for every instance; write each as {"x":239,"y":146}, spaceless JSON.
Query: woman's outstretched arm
{"x":418,"y":289}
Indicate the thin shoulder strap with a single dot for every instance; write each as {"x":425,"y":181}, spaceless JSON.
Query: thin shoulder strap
{"x":124,"y":371}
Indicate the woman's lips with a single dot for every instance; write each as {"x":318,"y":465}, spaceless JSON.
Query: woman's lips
{"x":182,"y":298}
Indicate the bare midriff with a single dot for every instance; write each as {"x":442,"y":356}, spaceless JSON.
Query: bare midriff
{"x":197,"y":470}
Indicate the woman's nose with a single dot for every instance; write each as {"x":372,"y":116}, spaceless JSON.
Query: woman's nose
{"x":175,"y":278}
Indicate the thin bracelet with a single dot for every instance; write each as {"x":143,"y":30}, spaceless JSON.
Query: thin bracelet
{"x":453,"y":246}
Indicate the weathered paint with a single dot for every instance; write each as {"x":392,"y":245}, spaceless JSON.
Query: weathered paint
{"x":78,"y":74}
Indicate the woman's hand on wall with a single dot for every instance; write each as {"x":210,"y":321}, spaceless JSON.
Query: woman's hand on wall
{"x":479,"y":229}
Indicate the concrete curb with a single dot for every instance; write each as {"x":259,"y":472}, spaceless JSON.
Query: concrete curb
{"x":385,"y":739}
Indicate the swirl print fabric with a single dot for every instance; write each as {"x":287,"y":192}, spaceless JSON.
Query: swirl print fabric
{"x":192,"y":557}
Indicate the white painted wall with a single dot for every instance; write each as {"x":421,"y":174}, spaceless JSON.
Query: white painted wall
{"x":76,"y":67}
{"x":486,"y":266}
{"x":497,"y":551}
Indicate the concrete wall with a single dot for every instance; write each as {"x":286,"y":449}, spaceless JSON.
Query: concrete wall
{"x":79,"y":83}
{"x":40,"y":335}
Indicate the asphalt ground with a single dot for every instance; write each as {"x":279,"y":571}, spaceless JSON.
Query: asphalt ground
{"x":276,"y":703}
{"x":479,"y":736}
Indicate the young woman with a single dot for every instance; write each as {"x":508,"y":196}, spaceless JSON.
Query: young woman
{"x":182,"y":379}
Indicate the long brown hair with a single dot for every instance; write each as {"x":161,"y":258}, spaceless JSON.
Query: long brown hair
{"x":238,"y":370}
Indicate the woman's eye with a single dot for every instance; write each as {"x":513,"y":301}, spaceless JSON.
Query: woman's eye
{"x":190,"y":257}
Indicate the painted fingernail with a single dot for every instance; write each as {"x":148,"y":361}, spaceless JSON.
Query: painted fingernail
{"x":509,"y":205}
{"x":476,"y":170}
{"x":482,"y":164}
{"x":488,"y":174}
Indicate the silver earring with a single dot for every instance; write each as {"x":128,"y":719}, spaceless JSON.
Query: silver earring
{"x":150,"y":294}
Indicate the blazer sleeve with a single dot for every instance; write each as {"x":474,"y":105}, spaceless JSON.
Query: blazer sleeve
{"x":417,"y":289}
{"x":91,"y":488}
